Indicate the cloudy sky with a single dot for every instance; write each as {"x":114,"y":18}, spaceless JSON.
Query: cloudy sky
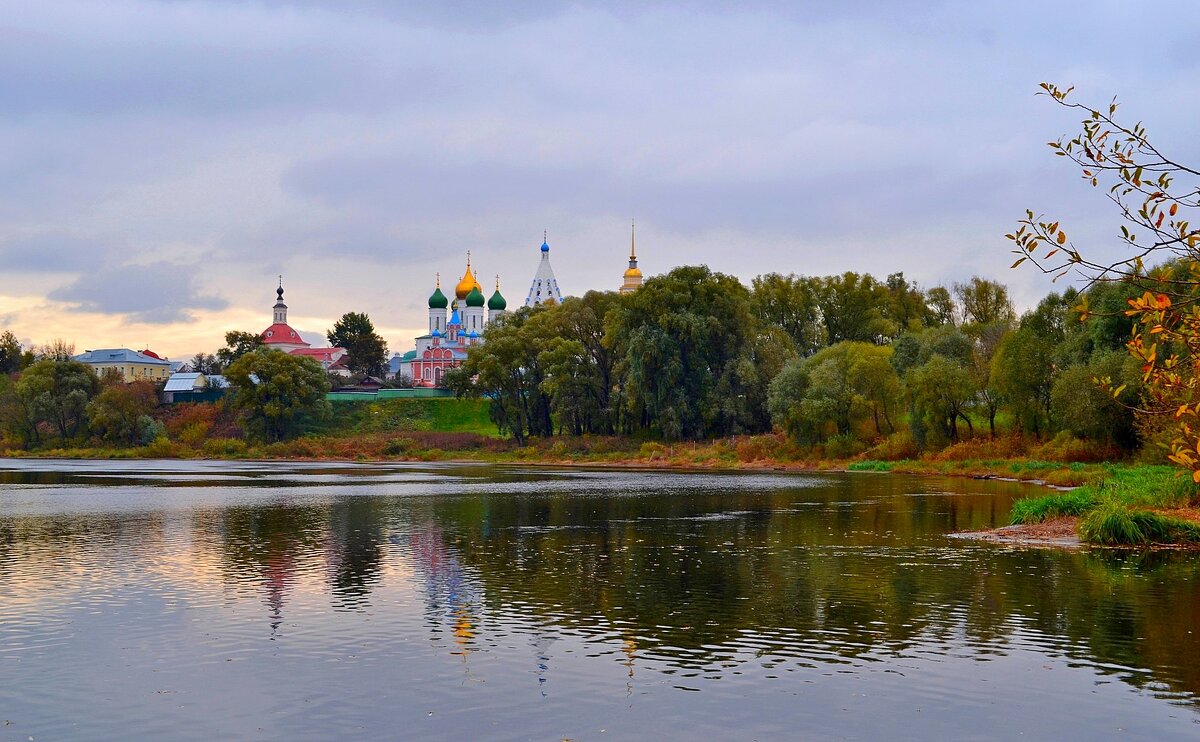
{"x":163,"y":160}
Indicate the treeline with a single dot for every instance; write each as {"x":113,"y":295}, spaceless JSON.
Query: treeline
{"x":58,"y":402}
{"x":842,"y":361}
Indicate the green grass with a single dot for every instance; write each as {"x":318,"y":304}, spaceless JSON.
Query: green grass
{"x":871,"y":466}
{"x":438,"y":414}
{"x":1038,"y":509}
{"x":1117,"y":509}
{"x":1118,"y":524}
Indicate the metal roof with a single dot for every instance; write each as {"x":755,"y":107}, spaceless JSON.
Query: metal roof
{"x":118,"y":355}
{"x":183,"y":382}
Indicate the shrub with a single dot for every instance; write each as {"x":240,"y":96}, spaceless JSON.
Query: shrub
{"x":983,"y":448}
{"x":843,"y":447}
{"x":896,"y":447}
{"x":224,"y":447}
{"x":1066,"y":447}
{"x":161,"y":448}
{"x":652,"y":451}
{"x":399,"y":446}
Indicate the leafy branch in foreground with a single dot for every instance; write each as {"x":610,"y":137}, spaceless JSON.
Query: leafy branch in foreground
{"x":1156,"y":197}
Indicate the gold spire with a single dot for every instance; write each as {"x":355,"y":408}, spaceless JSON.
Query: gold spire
{"x":439,"y":279}
{"x":497,"y":281}
{"x":633,"y":276}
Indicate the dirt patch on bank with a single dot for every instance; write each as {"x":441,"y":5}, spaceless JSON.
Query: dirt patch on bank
{"x":1058,"y":532}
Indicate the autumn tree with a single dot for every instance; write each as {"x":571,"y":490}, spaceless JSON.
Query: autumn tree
{"x":1157,"y":199}
{"x":120,"y":413}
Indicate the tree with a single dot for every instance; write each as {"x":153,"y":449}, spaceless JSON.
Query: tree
{"x":57,"y":393}
{"x":682,"y":339}
{"x":205,"y":363}
{"x":277,"y":391}
{"x":238,"y":344}
{"x":1086,"y":410}
{"x":17,"y":419}
{"x":833,"y":391}
{"x":508,"y":371}
{"x":11,"y":353}
{"x":120,"y":413}
{"x":853,"y":308}
{"x":784,"y":400}
{"x":987,"y":339}
{"x":581,"y":366}
{"x":55,"y":350}
{"x":984,"y":302}
{"x":942,"y":310}
{"x":1023,"y":371}
{"x":366,"y":352}
{"x":907,"y":305}
{"x":1158,"y":199}
{"x":791,"y":304}
{"x":874,"y":383}
{"x":942,"y":391}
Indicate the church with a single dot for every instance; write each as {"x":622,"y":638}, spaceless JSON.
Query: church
{"x":456,"y":325}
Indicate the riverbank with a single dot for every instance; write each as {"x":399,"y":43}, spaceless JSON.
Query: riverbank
{"x":1108,"y":503}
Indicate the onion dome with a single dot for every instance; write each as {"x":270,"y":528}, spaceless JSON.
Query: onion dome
{"x":545,"y":246}
{"x":475,"y":298}
{"x":467,"y":283}
{"x":497,"y":302}
{"x":436,"y":334}
{"x":473,"y":334}
{"x":437,"y":300}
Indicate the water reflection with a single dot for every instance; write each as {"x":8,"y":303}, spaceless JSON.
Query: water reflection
{"x":443,"y":577}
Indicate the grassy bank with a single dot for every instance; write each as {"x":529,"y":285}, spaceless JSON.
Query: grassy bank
{"x":1136,"y":506}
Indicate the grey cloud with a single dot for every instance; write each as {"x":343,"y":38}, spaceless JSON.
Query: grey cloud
{"x":157,"y":293}
{"x":49,"y":252}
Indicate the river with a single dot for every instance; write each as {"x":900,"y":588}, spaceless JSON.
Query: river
{"x":219,"y":600}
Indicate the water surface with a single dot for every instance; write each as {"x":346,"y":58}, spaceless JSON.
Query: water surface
{"x":201,"y":600}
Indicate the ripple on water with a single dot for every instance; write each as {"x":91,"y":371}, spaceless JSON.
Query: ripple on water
{"x":308,"y":602}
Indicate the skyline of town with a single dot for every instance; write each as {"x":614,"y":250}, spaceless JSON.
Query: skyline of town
{"x":154,"y":189}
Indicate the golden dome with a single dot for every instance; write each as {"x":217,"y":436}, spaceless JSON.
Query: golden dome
{"x":467,"y":283}
{"x":633,"y":273}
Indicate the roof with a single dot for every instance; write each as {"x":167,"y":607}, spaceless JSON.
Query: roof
{"x":183,"y":382}
{"x":152,"y":354}
{"x":280,"y":333}
{"x":328,"y":355}
{"x":118,"y":355}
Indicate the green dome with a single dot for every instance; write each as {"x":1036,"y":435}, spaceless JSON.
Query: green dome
{"x":438,"y":299}
{"x":475,"y":298}
{"x":497,"y":303}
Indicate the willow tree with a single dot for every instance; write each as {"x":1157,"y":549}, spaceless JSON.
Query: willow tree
{"x":1156,"y":197}
{"x":684,"y":340}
